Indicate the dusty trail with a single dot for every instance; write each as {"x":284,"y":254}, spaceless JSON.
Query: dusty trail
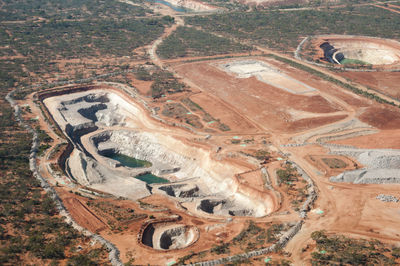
{"x":389,"y":9}
{"x":153,"y":48}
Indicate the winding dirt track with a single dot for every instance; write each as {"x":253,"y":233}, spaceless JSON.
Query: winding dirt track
{"x":83,"y":215}
{"x":388,"y":8}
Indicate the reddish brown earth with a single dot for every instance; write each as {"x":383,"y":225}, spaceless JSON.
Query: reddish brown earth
{"x":83,"y":215}
{"x":261,"y":103}
{"x":220,"y":110}
{"x":387,"y":117}
{"x":387,"y":139}
{"x":385,"y":82}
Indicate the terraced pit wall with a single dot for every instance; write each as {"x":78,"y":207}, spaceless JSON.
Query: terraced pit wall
{"x":40,"y":97}
{"x":113,"y":251}
{"x":147,"y":223}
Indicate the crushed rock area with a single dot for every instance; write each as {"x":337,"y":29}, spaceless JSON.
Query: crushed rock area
{"x":387,"y":198}
{"x":381,"y":166}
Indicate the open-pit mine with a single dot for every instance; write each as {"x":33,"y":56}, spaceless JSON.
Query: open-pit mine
{"x":199,"y":132}
{"x":275,"y":154}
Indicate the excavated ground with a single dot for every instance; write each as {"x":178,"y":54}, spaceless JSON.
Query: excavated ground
{"x":268,"y":74}
{"x":263,"y":77}
{"x":379,"y":53}
{"x":277,"y":110}
{"x":100,"y":122}
{"x":368,"y":50}
{"x":169,"y":236}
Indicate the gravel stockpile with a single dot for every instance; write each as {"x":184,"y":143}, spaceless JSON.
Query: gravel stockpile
{"x":387,"y":198}
{"x":380,"y":166}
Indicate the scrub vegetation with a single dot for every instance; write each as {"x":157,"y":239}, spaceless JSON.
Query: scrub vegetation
{"x":30,"y":226}
{"x":337,"y":249}
{"x":187,"y":41}
{"x":283,"y":30}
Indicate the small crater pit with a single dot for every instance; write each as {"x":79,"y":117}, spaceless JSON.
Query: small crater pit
{"x":169,"y":236}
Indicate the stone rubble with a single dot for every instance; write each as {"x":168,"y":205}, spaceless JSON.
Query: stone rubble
{"x":387,"y":198}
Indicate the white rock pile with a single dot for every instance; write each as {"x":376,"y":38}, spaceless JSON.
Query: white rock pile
{"x":387,"y":198}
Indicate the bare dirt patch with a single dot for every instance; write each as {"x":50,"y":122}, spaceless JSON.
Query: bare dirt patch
{"x":220,"y":110}
{"x":83,"y":215}
{"x":387,"y":117}
{"x":385,"y":82}
{"x":261,"y":103}
{"x":385,"y":139}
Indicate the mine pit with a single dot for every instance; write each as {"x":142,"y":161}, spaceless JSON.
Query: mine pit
{"x":368,"y":52}
{"x":119,"y":150}
{"x":224,"y":207}
{"x":358,"y":50}
{"x":182,"y":190}
{"x":169,"y":236}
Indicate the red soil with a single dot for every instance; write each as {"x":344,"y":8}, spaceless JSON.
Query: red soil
{"x":83,"y":215}
{"x":385,"y":82}
{"x":386,"y":139}
{"x":382,"y":117}
{"x":221,"y":111}
{"x":260,"y":103}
